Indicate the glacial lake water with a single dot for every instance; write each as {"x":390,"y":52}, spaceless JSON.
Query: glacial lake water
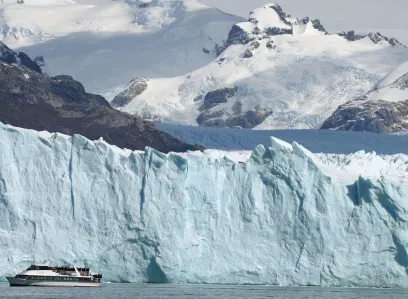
{"x":148,"y":291}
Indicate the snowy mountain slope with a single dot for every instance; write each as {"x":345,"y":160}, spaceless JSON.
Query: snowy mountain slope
{"x":276,"y":72}
{"x":382,"y":110}
{"x":105,"y":44}
{"x":294,"y":218}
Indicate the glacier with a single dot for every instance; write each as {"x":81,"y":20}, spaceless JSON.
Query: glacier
{"x":278,"y":215}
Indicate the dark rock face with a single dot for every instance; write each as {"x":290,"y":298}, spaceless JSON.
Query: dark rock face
{"x":318,"y":25}
{"x":375,"y":37}
{"x":394,"y":42}
{"x":371,"y":116}
{"x":40,"y":61}
{"x":143,"y":5}
{"x":255,"y":45}
{"x":273,"y":31}
{"x":378,"y":116}
{"x":9,"y":56}
{"x":136,"y":87}
{"x":270,"y":45}
{"x":219,"y":96}
{"x":60,"y":104}
{"x":248,"y":54}
{"x":212,"y":116}
{"x":402,"y":82}
{"x":247,"y":120}
{"x":237,"y":36}
{"x":351,"y":36}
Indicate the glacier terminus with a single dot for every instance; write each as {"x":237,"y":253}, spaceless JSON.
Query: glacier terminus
{"x":278,"y":215}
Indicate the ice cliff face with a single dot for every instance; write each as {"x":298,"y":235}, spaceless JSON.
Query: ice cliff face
{"x":282,"y":217}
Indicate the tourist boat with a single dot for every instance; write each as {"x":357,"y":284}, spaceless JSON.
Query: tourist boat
{"x":49,"y":276}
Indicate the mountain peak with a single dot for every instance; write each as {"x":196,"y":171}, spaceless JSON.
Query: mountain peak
{"x":269,"y":16}
{"x":270,"y":20}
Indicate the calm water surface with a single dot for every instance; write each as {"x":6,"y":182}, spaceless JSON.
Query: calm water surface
{"x":113,"y":291}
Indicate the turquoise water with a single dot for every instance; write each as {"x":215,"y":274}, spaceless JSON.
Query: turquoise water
{"x":113,"y":291}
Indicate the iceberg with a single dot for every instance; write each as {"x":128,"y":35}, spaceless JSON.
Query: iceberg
{"x":278,"y":215}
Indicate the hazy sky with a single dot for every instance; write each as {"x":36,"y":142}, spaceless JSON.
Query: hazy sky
{"x":390,"y":17}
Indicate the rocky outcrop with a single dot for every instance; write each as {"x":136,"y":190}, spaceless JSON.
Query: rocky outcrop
{"x":351,"y":36}
{"x":136,"y":87}
{"x":40,"y":61}
{"x":318,"y":26}
{"x":31,"y":100}
{"x":371,"y":116}
{"x":217,"y":97}
{"x":237,"y":36}
{"x":375,"y":37}
{"x":383,"y":110}
{"x":9,"y":56}
{"x":249,"y":52}
{"x":270,"y":45}
{"x":214,"y":116}
{"x":248,"y":119}
{"x":315,"y":23}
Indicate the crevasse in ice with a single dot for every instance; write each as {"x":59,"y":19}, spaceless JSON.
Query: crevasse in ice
{"x":278,"y":218}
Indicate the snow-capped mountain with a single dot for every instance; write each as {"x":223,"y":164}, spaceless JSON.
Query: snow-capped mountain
{"x":192,"y":64}
{"x":104,"y":44}
{"x":279,"y":215}
{"x":274,"y":71}
{"x":382,"y":110}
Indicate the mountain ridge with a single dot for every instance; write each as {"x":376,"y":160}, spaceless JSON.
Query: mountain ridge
{"x":61,"y":104}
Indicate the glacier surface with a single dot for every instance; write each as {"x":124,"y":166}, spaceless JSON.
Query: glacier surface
{"x":279,"y":215}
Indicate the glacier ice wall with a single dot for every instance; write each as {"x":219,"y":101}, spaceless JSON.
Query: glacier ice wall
{"x":186,"y":218}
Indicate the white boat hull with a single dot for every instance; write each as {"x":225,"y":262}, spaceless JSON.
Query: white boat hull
{"x":21,"y":282}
